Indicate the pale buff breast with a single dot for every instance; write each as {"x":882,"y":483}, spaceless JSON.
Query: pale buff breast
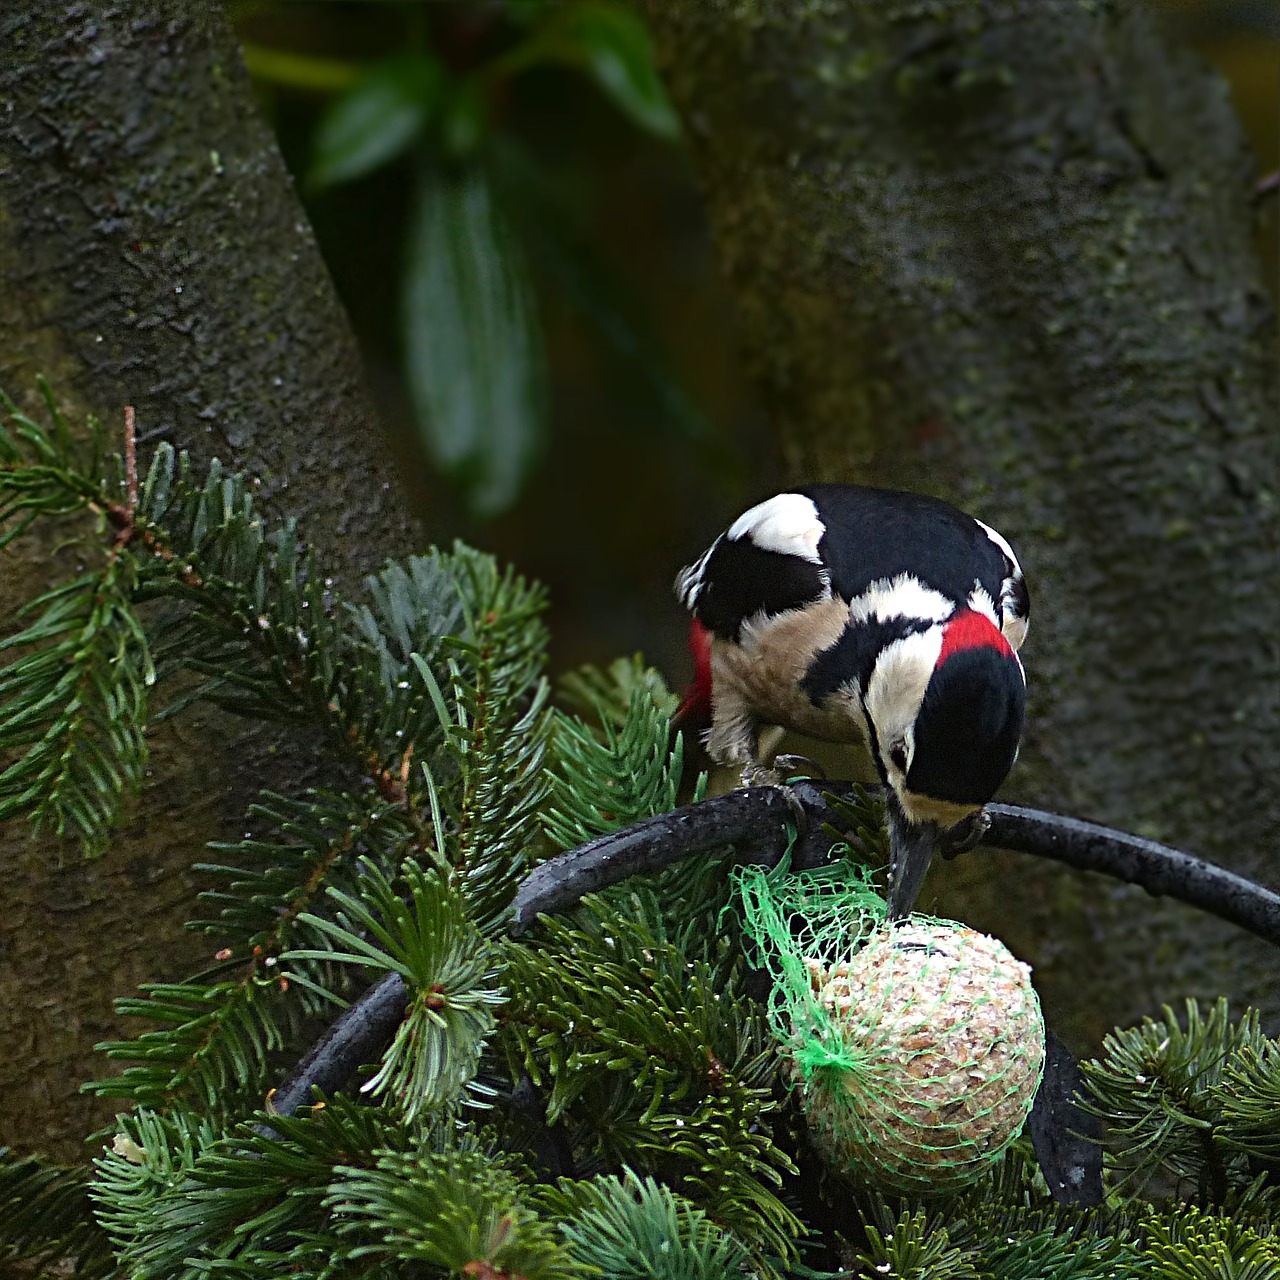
{"x":764,"y":671}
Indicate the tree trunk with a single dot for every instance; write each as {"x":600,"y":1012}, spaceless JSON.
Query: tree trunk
{"x":1001,"y":252}
{"x":154,"y":253}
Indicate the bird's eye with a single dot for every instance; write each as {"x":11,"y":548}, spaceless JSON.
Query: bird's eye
{"x":898,"y":754}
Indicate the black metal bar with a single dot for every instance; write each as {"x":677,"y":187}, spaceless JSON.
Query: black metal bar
{"x":1155,"y":867}
{"x":357,"y":1035}
{"x":755,"y":817}
{"x":756,"y":822}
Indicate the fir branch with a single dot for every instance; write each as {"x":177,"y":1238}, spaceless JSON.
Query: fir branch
{"x":1059,"y":1253}
{"x":45,"y":1213}
{"x":180,"y":1203}
{"x":252,"y":615}
{"x":1248,"y":1100}
{"x":411,"y":607}
{"x":912,"y":1248}
{"x":1188,"y":1244}
{"x":448,"y":965}
{"x":492,"y":706}
{"x":604,"y":697}
{"x":1158,"y":1086}
{"x":47,"y":470}
{"x":467,"y":1212}
{"x":309,"y":845}
{"x":216,"y":1038}
{"x":634,"y":1228}
{"x":360,"y":1035}
{"x":147,"y":1166}
{"x":211,"y":1042}
{"x":1004,"y":1228}
{"x":73,"y":707}
{"x":612,"y":989}
{"x":614,"y":995}
{"x":211,"y":1047}
{"x":755,"y":822}
{"x":615,"y":776}
{"x":415,"y":613}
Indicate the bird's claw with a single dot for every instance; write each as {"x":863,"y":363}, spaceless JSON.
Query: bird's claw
{"x":781,"y":769}
{"x":965,"y":835}
{"x":794,"y":766}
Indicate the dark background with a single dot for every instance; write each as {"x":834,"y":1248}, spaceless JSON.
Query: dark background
{"x":646,"y":454}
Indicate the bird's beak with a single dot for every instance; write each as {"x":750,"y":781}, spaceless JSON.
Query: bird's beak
{"x":911,"y":847}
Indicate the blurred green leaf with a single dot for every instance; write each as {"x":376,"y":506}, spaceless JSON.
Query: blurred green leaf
{"x":473,"y":345}
{"x":376,"y":119}
{"x":561,"y":246}
{"x":464,"y":118}
{"x":611,"y":44}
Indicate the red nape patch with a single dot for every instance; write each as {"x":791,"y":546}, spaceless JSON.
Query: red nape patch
{"x":697,"y":699}
{"x":970,"y":629}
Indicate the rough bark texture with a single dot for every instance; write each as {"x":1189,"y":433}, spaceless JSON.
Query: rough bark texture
{"x":1001,"y":252}
{"x":154,"y":253}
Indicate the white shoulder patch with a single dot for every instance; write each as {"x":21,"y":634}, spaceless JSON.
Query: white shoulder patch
{"x":1002,"y":544}
{"x":787,"y":523}
{"x":1013,"y":619}
{"x":902,"y":597}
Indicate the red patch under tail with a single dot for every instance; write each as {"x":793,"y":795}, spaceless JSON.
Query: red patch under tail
{"x":695,"y":710}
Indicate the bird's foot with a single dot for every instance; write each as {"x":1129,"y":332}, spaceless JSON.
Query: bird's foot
{"x":760,"y":775}
{"x":755,"y":774}
{"x":793,"y":766}
{"x":965,"y":835}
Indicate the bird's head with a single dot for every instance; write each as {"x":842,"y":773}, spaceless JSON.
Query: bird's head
{"x":945,"y":705}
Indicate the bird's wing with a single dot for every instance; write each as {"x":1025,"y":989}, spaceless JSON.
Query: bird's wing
{"x":889,"y":554}
{"x":766,"y":563}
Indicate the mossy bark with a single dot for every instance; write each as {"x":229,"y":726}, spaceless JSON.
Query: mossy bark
{"x":154,"y":253}
{"x":1001,"y":252}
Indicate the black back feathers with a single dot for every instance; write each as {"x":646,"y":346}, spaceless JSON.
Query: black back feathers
{"x":876,"y":534}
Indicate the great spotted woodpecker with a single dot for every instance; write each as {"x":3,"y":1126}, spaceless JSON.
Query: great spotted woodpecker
{"x":875,"y":617}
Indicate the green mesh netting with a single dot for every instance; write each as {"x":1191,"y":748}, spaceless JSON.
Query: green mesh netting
{"x":918,"y":1046}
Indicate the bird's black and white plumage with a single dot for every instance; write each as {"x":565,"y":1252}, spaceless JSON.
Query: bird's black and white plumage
{"x":868,"y":616}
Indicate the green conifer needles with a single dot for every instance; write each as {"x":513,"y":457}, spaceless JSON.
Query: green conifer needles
{"x":624,"y":1225}
{"x":73,"y":698}
{"x":449,"y":964}
{"x":460,"y":776}
{"x":613,"y":775}
{"x":1194,"y":1104}
{"x":73,"y":706}
{"x":46,"y":1212}
{"x":599,"y":1096}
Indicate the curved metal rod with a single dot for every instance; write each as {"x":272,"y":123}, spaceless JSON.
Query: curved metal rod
{"x":1155,"y":867}
{"x":755,"y":821}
